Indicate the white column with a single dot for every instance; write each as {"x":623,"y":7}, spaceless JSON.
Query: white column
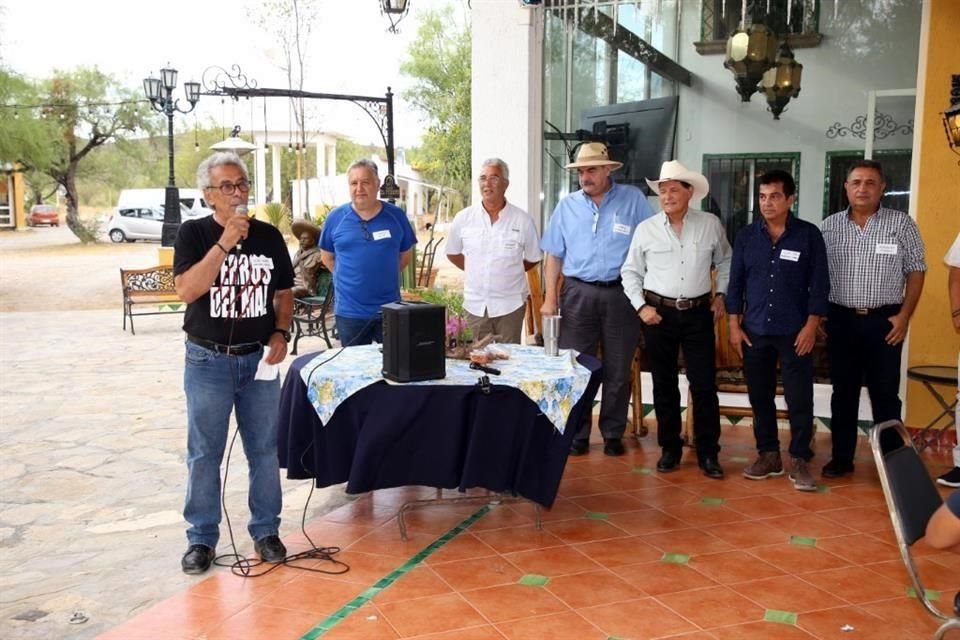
{"x":507,"y":64}
{"x":321,"y":158}
{"x":260,"y":160}
{"x":275,"y":151}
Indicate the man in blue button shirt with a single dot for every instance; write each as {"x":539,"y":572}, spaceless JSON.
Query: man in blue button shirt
{"x":587,"y":240}
{"x":777,"y":295}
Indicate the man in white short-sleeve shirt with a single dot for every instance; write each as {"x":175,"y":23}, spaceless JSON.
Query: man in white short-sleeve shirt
{"x":495,"y":243}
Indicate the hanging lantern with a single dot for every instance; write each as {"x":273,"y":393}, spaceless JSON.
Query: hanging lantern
{"x":782,"y":81}
{"x":951,"y":122}
{"x":750,"y":52}
{"x":395,"y":10}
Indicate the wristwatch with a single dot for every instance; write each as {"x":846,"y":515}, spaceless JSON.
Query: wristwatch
{"x":286,"y":334}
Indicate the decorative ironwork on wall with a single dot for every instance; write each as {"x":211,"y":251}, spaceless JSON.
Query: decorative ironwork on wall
{"x":884,"y":126}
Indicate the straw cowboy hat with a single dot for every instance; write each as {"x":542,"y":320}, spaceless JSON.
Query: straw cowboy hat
{"x":305,"y":226}
{"x":673,"y":170}
{"x":594,"y":154}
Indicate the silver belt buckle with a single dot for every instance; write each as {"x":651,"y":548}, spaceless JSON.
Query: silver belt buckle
{"x":683,"y":304}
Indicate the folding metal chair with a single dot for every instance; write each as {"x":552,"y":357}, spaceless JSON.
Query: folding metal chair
{"x":912,"y":498}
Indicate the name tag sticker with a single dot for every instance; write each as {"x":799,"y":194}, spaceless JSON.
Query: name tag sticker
{"x":621,"y":228}
{"x":261,"y":262}
{"x":511,"y":244}
{"x":383,"y":234}
{"x":886,"y":249}
{"x":792,"y":256}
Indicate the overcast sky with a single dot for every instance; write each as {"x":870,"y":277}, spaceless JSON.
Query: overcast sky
{"x":350,"y":52}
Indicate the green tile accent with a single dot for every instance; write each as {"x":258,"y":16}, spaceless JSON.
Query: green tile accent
{"x":931,"y":594}
{"x":822,"y":488}
{"x":711,"y":500}
{"x":533,"y":580}
{"x":676,"y":558}
{"x":734,"y":420}
{"x":644,"y":470}
{"x":597,"y":515}
{"x":740,"y":459}
{"x":647,"y":410}
{"x":803,"y":541}
{"x":783,"y":617}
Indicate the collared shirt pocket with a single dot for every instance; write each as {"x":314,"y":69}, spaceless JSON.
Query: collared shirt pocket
{"x":472,"y":239}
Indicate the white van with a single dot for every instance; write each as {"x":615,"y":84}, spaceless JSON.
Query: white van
{"x":139,"y":213}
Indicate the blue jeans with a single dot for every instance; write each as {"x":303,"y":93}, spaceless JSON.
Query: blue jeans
{"x":357,"y":331}
{"x":215,"y":384}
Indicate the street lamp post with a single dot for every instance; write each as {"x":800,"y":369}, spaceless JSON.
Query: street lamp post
{"x":160,"y":93}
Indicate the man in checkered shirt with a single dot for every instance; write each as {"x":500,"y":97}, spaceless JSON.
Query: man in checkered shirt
{"x":875,"y":258}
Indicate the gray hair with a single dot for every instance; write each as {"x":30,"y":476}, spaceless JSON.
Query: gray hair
{"x":497,"y":162}
{"x":219,"y":159}
{"x":366,"y":163}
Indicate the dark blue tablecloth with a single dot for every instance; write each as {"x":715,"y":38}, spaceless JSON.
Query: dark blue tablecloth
{"x":438,"y":436}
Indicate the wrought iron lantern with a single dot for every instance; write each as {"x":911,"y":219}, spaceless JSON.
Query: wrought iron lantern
{"x":782,"y":81}
{"x":395,"y":10}
{"x":750,"y":53}
{"x":951,"y":123}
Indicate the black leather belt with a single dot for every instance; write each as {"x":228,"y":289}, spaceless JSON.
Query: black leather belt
{"x":232,"y":350}
{"x":680,"y":304}
{"x":598,"y":283}
{"x":866,"y":311}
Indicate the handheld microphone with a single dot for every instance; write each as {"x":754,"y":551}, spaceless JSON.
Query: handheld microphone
{"x":241,"y":211}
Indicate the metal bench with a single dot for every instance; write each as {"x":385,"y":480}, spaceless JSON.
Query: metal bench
{"x":312,"y":315}
{"x":151,"y":287}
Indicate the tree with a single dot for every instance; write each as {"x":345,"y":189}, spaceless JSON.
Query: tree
{"x":439,"y":64}
{"x":71,"y":115}
{"x":291,"y":23}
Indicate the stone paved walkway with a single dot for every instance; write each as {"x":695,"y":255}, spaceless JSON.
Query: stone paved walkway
{"x":92,"y":439}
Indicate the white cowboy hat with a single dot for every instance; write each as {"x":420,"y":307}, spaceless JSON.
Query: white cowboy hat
{"x":673,"y":170}
{"x":594,"y":154}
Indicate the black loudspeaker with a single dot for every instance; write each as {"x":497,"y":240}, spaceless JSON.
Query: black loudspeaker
{"x":414,"y":341}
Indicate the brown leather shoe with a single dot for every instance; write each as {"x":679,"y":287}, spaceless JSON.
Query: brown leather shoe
{"x":768,"y":464}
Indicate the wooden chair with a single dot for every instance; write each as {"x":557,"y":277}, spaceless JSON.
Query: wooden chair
{"x":912,"y":498}
{"x":312,"y":315}
{"x":533,"y":321}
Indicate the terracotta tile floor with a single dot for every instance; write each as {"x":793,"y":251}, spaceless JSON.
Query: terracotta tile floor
{"x":624,"y":553}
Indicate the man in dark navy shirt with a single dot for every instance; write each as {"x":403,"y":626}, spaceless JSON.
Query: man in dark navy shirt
{"x":777,"y":294}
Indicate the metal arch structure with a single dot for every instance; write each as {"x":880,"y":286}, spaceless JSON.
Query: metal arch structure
{"x":233,"y":83}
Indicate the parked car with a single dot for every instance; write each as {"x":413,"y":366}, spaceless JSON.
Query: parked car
{"x":43,"y":214}
{"x":135,"y":223}
{"x":192,"y":204}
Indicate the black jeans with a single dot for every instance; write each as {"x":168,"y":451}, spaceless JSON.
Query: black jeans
{"x":594,"y":316}
{"x":691,"y":330}
{"x":857,"y":350}
{"x":760,"y":369}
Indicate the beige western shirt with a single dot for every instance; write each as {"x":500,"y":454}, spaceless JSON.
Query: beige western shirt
{"x":672,"y":266}
{"x":495,"y":281}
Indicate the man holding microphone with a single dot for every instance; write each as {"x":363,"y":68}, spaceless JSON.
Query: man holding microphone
{"x":235,"y":275}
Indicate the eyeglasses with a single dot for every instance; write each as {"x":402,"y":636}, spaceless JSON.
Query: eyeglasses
{"x":491,"y":179}
{"x":229,"y":188}
{"x":366,"y":232}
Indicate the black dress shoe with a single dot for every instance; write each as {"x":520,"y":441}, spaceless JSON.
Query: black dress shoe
{"x":579,"y":447}
{"x":669,"y":461}
{"x":711,"y":468}
{"x":613,"y":447}
{"x":270,"y":549}
{"x":837,"y":469}
{"x":197,"y":559}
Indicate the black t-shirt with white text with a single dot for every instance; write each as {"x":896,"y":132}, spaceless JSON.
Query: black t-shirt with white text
{"x":240,"y":302}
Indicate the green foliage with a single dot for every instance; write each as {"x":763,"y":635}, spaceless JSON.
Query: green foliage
{"x":348,"y":151}
{"x":439,"y":64}
{"x":77,"y":113}
{"x":277,"y":215}
{"x":449,"y":298}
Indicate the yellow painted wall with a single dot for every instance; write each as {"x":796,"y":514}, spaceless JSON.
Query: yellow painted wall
{"x":937,"y":197}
